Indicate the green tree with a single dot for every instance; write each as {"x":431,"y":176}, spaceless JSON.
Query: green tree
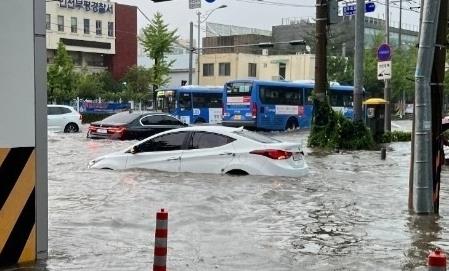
{"x":61,"y":77}
{"x":157,"y":42}
{"x":137,"y":81}
{"x":89,"y":86}
{"x":340,"y":69}
{"x":403,"y":70}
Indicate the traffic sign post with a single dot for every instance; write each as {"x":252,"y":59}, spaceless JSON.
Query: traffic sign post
{"x":384,"y":70}
{"x":384,"y":52}
{"x":350,"y":10}
{"x":194,"y":4}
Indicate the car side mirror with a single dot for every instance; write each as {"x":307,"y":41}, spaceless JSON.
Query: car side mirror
{"x":134,"y":149}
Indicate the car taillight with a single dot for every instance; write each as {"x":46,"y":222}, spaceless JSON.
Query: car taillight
{"x":117,"y":130}
{"x":81,"y":118}
{"x":273,"y":154}
{"x":92,"y":128}
{"x":254,"y":110}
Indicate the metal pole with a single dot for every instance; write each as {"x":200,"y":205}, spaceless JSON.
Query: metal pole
{"x":387,"y":91}
{"x":437,"y":89}
{"x":400,"y":25}
{"x":191,"y":54}
{"x":358,"y":59}
{"x":198,"y":48}
{"x":321,"y":44}
{"x":422,"y":176}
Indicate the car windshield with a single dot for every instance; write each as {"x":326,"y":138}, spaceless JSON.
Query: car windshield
{"x":256,"y":137}
{"x":123,"y":117}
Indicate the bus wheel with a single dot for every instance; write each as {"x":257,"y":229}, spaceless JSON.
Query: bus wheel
{"x":199,"y":121}
{"x":292,"y":124}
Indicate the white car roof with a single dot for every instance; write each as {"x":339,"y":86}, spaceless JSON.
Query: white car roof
{"x":210,"y":128}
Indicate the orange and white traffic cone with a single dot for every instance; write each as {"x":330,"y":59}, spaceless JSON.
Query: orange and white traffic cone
{"x":436,"y":261}
{"x":160,"y":241}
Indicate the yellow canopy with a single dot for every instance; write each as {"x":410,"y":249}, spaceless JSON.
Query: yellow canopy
{"x":375,"y":101}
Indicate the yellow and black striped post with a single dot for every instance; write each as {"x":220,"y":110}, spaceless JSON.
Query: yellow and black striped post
{"x":23,"y":133}
{"x":17,"y":205}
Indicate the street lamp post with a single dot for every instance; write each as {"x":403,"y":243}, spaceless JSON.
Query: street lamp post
{"x":207,"y":14}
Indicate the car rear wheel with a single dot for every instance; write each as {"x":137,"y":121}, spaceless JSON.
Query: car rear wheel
{"x":71,"y":128}
{"x":237,"y":172}
{"x":200,"y":121}
{"x":292,"y":124}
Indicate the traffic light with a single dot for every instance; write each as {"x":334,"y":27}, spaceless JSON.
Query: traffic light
{"x":183,"y":82}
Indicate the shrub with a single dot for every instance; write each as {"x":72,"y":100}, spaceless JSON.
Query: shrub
{"x":92,"y":117}
{"x":396,"y":136}
{"x":331,"y":130}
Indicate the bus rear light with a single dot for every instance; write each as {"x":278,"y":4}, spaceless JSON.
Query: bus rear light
{"x":273,"y":154}
{"x":254,"y":110}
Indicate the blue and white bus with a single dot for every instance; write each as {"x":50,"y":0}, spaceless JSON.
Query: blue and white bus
{"x":192,"y":104}
{"x":277,"y":105}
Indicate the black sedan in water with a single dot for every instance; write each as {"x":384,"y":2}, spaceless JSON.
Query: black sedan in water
{"x":133,"y":125}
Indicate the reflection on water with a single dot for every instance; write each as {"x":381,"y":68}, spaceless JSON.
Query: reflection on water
{"x":425,"y":232}
{"x":350,"y":213}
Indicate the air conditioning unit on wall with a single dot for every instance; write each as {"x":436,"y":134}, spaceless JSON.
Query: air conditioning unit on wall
{"x":264,"y":52}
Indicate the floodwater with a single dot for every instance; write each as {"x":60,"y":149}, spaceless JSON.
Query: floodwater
{"x":350,"y":213}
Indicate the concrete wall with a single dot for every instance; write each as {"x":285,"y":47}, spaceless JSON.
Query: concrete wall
{"x":53,"y":35}
{"x":298,"y":67}
{"x":126,"y":41}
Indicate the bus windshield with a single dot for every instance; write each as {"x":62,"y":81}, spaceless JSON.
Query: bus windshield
{"x":238,"y":89}
{"x":166,"y":101}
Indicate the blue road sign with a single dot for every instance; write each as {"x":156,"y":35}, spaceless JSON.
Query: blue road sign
{"x":384,"y":52}
{"x":350,"y":9}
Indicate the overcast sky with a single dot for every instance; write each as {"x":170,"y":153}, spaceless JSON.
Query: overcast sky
{"x":252,"y":13}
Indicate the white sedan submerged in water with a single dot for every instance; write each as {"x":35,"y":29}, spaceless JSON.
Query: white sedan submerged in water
{"x":210,"y":149}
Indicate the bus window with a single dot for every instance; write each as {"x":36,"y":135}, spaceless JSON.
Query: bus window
{"x":212,"y":100}
{"x":280,"y":95}
{"x":238,"y":89}
{"x":308,"y":96}
{"x":185,"y":101}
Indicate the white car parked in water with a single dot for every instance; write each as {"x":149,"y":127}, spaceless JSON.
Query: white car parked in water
{"x":210,"y":149}
{"x":63,"y":118}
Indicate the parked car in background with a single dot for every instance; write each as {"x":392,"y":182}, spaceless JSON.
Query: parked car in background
{"x":133,"y":125}
{"x":210,"y":149}
{"x":63,"y":118}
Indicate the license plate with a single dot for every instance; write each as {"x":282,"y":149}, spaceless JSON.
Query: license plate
{"x":297,"y":156}
{"x":102,"y":131}
{"x":237,"y":117}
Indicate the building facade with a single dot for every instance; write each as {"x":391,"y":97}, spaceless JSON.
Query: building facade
{"x":217,"y":69}
{"x":98,"y":35}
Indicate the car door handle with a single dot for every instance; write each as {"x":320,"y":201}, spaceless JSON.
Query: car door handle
{"x":174,"y":158}
{"x":228,"y":153}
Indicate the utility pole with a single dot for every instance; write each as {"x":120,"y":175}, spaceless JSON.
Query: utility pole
{"x":400,"y":25}
{"x":198,"y":50}
{"x":191,"y":54}
{"x":387,"y":90}
{"x":358,"y":59}
{"x":321,"y":45}
{"x":437,"y":88}
{"x":422,"y":167}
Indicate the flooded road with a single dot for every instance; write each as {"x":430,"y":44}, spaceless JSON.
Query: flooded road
{"x":350,"y":213}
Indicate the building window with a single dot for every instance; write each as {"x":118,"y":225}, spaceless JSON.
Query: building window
{"x":98,"y":27}
{"x":86,"y":26}
{"x":47,"y":21}
{"x":60,"y":23}
{"x":208,"y":69}
{"x":110,"y":29}
{"x":73,"y":24}
{"x":252,"y":67}
{"x":224,"y":69}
